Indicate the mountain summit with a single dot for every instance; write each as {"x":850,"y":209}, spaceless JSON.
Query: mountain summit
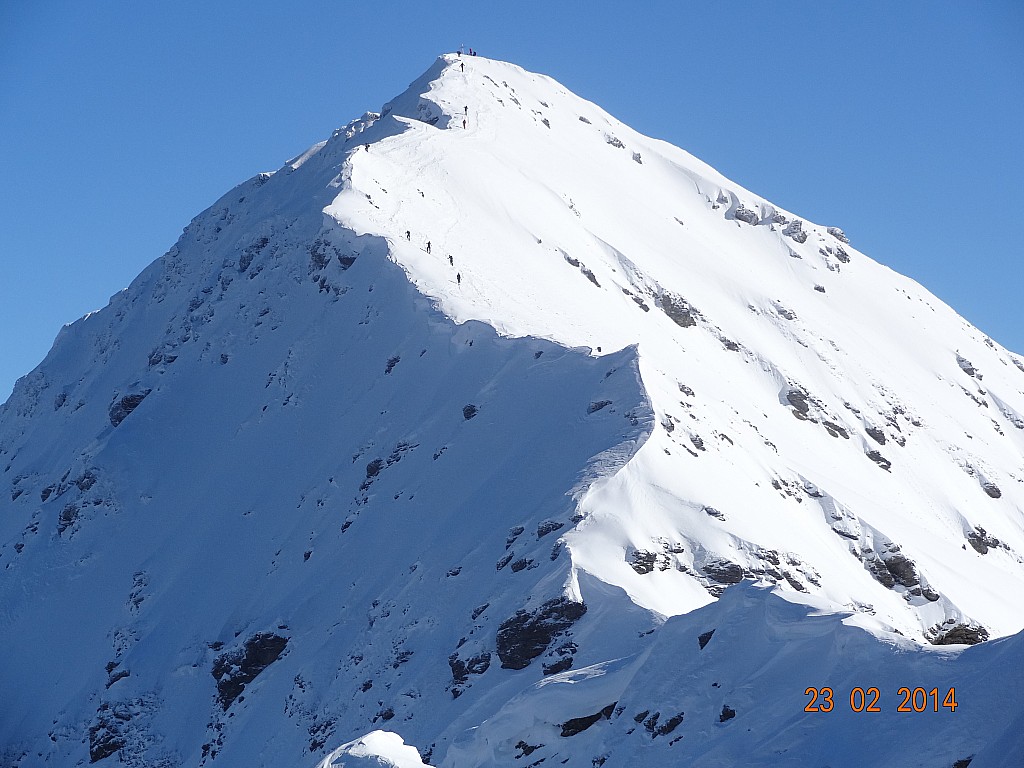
{"x":491,"y":432}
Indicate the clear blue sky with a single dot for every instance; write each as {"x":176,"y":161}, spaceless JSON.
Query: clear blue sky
{"x":121,"y":120}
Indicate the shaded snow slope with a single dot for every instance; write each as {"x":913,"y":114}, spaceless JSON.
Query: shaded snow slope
{"x":308,"y":480}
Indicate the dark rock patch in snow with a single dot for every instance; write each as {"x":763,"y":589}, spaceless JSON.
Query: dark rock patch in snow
{"x":577,"y":725}
{"x":967,"y":367}
{"x":723,"y":571}
{"x":876,"y":434}
{"x":879,"y":459}
{"x":236,"y":669}
{"x":548,"y":526}
{"x":961,"y":634}
{"x":525,"y":635}
{"x":795,"y":230}
{"x":745,"y":214}
{"x":981,"y":541}
{"x":125,"y":405}
{"x":463,"y":668}
{"x":704,"y":638}
{"x":991,"y":489}
{"x":679,"y":310}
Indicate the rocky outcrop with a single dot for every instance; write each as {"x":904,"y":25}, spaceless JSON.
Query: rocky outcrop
{"x":527,"y":634}
{"x":236,"y":669}
{"x":961,"y":634}
{"x":124,"y":405}
{"x":679,"y":310}
{"x":795,"y":230}
{"x":579,"y":724}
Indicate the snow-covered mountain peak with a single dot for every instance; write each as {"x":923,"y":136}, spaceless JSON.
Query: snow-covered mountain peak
{"x":460,"y":422}
{"x":546,"y":217}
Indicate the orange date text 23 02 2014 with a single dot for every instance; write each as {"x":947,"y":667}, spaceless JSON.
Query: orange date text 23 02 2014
{"x":870,"y":700}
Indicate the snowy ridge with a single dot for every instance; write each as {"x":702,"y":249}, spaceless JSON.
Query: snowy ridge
{"x":308,"y":480}
{"x":799,"y":320}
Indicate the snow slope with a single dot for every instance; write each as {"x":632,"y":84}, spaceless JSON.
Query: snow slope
{"x":310,"y":479}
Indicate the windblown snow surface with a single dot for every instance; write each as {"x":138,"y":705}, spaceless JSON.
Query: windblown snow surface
{"x":489,"y":432}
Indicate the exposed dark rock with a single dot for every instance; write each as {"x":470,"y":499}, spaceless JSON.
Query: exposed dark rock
{"x":838,"y":234}
{"x":373,"y":468}
{"x":876,"y":567}
{"x":125,"y":405}
{"x":86,"y":481}
{"x":521,"y":564}
{"x":712,"y":512}
{"x":795,"y":230}
{"x":723,"y":571}
{"x":876,"y":434}
{"x":962,"y":634}
{"x":704,"y":638}
{"x":902,"y":570}
{"x":991,"y":489}
{"x":642,"y":561}
{"x":475,"y":665}
{"x":590,"y":276}
{"x":548,"y":526}
{"x":798,"y":399}
{"x":236,"y":669}
{"x":525,"y":635}
{"x":963,"y":762}
{"x":679,"y":310}
{"x":504,"y":561}
{"x":819,"y":288}
{"x":609,"y":139}
{"x":392,"y":362}
{"x":745,"y":214}
{"x":728,"y":713}
{"x":527,"y":749}
{"x":107,"y":733}
{"x":981,"y":540}
{"x":834,"y":429}
{"x":469,"y":411}
{"x":651,"y":723}
{"x":879,"y":459}
{"x":513,"y":533}
{"x":67,"y":518}
{"x":579,"y":724}
{"x":966,"y":367}
{"x":669,"y":725}
{"x":785,"y":312}
{"x":842,"y":255}
{"x":597,"y":405}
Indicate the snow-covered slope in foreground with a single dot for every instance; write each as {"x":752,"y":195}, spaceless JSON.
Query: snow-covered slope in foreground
{"x":432,"y":429}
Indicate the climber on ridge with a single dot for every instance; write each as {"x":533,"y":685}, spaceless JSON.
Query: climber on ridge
{"x":428,"y":246}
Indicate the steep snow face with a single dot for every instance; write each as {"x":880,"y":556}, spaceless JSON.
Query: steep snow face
{"x":431,"y":429}
{"x":823,"y":421}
